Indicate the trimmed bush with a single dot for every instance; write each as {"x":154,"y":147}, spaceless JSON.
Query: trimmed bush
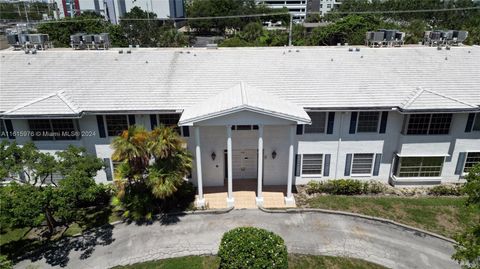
{"x":441,"y":190}
{"x":340,"y":187}
{"x":249,"y":247}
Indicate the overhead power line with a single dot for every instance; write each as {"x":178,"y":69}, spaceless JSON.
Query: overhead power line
{"x":268,"y":14}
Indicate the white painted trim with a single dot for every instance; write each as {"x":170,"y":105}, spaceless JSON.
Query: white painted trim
{"x":362,"y":175}
{"x":311,"y":175}
{"x":378,"y":123}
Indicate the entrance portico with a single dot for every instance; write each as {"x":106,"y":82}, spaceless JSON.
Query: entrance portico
{"x":258,"y":126}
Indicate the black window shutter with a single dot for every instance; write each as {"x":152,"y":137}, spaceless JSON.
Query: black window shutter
{"x":299,"y":129}
{"x":101,"y":126}
{"x":383,"y":122}
{"x":348,"y":164}
{"x":396,"y":162}
{"x":186,"y":131}
{"x":131,"y":120}
{"x":326,"y":166}
{"x":9,"y":126}
{"x":153,"y":121}
{"x":108,"y":169}
{"x":298,"y":159}
{"x":376,"y":166}
{"x":331,"y":122}
{"x":470,"y":119}
{"x":353,"y":122}
{"x":460,"y":163}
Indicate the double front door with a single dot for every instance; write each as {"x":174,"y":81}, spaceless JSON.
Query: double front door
{"x":244,"y":164}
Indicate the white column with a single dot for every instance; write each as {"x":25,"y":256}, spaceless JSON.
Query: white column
{"x":289,"y":200}
{"x":260,"y":166}
{"x":198,"y":157}
{"x":230,"y":200}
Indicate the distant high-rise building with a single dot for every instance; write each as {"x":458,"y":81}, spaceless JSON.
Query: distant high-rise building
{"x":322,"y":6}
{"x":114,"y":9}
{"x":298,"y":8}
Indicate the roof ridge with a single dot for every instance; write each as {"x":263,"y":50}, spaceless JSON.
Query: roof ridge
{"x":419,"y":92}
{"x":243,"y":92}
{"x":61,"y":94}
{"x":449,"y":97}
{"x":31,"y":102}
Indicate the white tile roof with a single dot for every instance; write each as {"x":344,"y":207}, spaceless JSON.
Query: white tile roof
{"x":243,"y":97}
{"x":53,"y":104}
{"x":431,"y":100}
{"x":175,"y":79}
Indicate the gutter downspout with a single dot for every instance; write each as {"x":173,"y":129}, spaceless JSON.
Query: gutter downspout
{"x":339,"y":143}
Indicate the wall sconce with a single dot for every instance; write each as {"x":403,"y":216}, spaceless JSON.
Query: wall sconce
{"x":274,"y":154}
{"x":214,"y":156}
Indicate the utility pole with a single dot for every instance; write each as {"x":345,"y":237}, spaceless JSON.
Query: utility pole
{"x":290,"y":31}
{"x":26,"y":14}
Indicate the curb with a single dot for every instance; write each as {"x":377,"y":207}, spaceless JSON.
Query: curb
{"x":344,"y":213}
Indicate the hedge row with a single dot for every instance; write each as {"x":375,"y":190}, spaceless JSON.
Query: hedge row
{"x":345,"y":187}
{"x":357,"y":187}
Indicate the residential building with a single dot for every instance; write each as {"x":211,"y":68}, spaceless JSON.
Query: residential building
{"x":281,"y":116}
{"x":114,"y":9}
{"x":322,"y":6}
{"x":298,"y":8}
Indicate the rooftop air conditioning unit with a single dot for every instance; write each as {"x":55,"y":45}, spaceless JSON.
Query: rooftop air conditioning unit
{"x":462,"y":35}
{"x":378,"y":36}
{"x":12,"y":39}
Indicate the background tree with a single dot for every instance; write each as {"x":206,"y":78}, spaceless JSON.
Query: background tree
{"x":34,"y":197}
{"x":468,"y":248}
{"x":59,"y":31}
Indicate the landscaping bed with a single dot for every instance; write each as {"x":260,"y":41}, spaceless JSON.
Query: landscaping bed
{"x":439,"y":209}
{"x":294,"y":262}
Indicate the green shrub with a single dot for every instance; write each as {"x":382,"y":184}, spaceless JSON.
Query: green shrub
{"x":314,"y":187}
{"x":374,"y":187}
{"x":249,"y":247}
{"x":345,"y":187}
{"x":5,"y":263}
{"x":443,"y":190}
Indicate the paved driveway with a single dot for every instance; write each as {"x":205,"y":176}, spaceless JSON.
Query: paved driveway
{"x":309,"y":233}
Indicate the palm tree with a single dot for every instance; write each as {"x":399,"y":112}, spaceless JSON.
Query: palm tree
{"x":155,"y":161}
{"x":130,"y":148}
{"x":172,"y":161}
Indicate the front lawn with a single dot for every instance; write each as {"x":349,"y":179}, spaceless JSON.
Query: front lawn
{"x":15,"y":242}
{"x":294,"y":262}
{"x":443,"y":215}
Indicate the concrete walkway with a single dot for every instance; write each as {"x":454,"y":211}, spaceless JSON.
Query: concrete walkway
{"x":308,"y":233}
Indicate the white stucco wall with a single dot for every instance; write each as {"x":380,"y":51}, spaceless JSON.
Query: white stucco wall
{"x":276,"y":138}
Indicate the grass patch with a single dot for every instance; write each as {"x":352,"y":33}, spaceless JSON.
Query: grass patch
{"x":444,"y":215}
{"x":15,"y":242}
{"x":294,"y":262}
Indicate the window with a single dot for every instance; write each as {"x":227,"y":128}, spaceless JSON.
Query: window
{"x":312,"y":164}
{"x":3,"y":129}
{"x":244,"y":127}
{"x":368,"y":122}
{"x":319,"y":120}
{"x":420,"y":167}
{"x":329,"y":5}
{"x":362,"y":163}
{"x":476,"y":123}
{"x":116,"y":124}
{"x":57,"y":129}
{"x":168,"y":119}
{"x":429,"y":124}
{"x":472,"y":159}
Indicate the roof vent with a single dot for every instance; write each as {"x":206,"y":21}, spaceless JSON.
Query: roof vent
{"x":350,"y":49}
{"x":357,"y":49}
{"x":212,"y":46}
{"x":120,"y":51}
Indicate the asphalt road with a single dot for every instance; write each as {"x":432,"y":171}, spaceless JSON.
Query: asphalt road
{"x":306,"y":233}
